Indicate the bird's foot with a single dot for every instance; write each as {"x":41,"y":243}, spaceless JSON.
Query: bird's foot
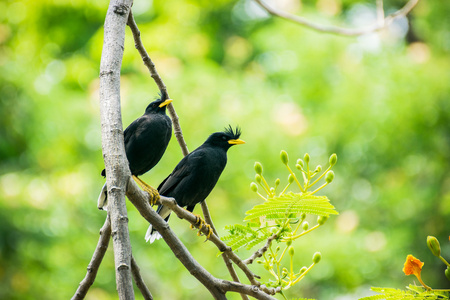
{"x":200,"y":223}
{"x":154,"y":195}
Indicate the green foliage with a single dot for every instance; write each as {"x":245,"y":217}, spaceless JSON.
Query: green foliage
{"x":412,"y":292}
{"x":281,"y":218}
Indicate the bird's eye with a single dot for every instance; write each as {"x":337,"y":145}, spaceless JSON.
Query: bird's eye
{"x":224,"y":138}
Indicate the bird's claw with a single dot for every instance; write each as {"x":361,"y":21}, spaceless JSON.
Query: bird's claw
{"x":154,"y":194}
{"x":201,"y":223}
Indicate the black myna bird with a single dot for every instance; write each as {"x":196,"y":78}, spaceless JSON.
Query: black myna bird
{"x":196,"y":174}
{"x":146,"y":140}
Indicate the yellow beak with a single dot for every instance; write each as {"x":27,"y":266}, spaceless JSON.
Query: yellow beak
{"x":236,"y":142}
{"x":166,"y":102}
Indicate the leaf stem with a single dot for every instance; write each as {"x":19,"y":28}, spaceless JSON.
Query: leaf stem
{"x":301,"y":234}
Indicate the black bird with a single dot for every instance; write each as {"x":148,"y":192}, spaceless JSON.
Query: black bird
{"x":196,"y":174}
{"x":146,"y":140}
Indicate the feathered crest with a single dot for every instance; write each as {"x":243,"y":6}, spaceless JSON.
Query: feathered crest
{"x":234,"y":134}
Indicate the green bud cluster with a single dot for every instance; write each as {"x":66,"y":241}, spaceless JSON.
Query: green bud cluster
{"x":254,"y":187}
{"x":447,"y":273}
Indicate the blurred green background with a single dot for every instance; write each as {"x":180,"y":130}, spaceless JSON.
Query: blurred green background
{"x":380,"y":101}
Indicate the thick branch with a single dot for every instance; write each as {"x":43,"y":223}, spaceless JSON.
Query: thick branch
{"x":340,"y":30}
{"x":159,"y":82}
{"x":96,"y":260}
{"x":217,"y":287}
{"x":117,"y":171}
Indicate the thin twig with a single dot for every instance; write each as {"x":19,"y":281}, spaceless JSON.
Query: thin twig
{"x":135,"y":271}
{"x":96,"y":260}
{"x":159,"y":82}
{"x":260,"y":251}
{"x":336,"y":29}
{"x":225,"y":257}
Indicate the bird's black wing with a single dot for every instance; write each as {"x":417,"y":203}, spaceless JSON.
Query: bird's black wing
{"x":181,"y":171}
{"x":131,"y":129}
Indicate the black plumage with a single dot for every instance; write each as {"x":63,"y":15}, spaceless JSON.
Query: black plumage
{"x":146,"y":140}
{"x":196,"y":174}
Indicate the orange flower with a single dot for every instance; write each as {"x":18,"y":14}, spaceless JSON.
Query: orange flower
{"x":413,"y":266}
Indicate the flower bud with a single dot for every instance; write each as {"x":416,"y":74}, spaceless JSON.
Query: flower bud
{"x":302,"y":216}
{"x":258,"y":178}
{"x":288,"y":243}
{"x":259,"y":262}
{"x":258,"y":168}
{"x":329,"y":177}
{"x":277,"y":182}
{"x":284,"y":157}
{"x":277,"y":249}
{"x":321,"y":220}
{"x":434,"y":246}
{"x":306,"y":158}
{"x":305,"y":225}
{"x":291,"y":178}
{"x":291,"y":251}
{"x":253,"y":187}
{"x":318,"y":169}
{"x":284,"y":272}
{"x":299,"y":167}
{"x":447,"y":273}
{"x":272,"y":190}
{"x":333,"y":159}
{"x":316,"y":257}
{"x":300,"y":162}
{"x":303,"y":270}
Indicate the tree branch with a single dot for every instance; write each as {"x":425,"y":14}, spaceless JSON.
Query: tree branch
{"x":158,"y":80}
{"x":260,"y":251}
{"x":139,"y":281}
{"x":225,"y":257}
{"x":217,"y":287}
{"x":116,"y":165}
{"x":340,"y":30}
{"x":96,"y":260}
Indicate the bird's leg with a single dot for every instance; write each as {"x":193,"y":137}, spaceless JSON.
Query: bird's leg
{"x":200,"y":223}
{"x":154,"y":195}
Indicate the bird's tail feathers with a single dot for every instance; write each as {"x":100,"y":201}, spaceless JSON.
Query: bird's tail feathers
{"x":152,"y":235}
{"x":102,"y":202}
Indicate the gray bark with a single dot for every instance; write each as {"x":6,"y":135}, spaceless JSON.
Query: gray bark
{"x":117,"y":171}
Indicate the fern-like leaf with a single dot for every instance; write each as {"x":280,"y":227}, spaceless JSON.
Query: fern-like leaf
{"x":280,"y":207}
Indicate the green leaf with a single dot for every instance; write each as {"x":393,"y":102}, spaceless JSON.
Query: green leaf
{"x":282,"y":207}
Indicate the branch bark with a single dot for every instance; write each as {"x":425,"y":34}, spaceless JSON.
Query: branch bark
{"x":116,"y":165}
{"x":336,"y":29}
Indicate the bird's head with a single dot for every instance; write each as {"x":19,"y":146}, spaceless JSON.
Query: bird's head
{"x":226,"y":138}
{"x":159,"y":105}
